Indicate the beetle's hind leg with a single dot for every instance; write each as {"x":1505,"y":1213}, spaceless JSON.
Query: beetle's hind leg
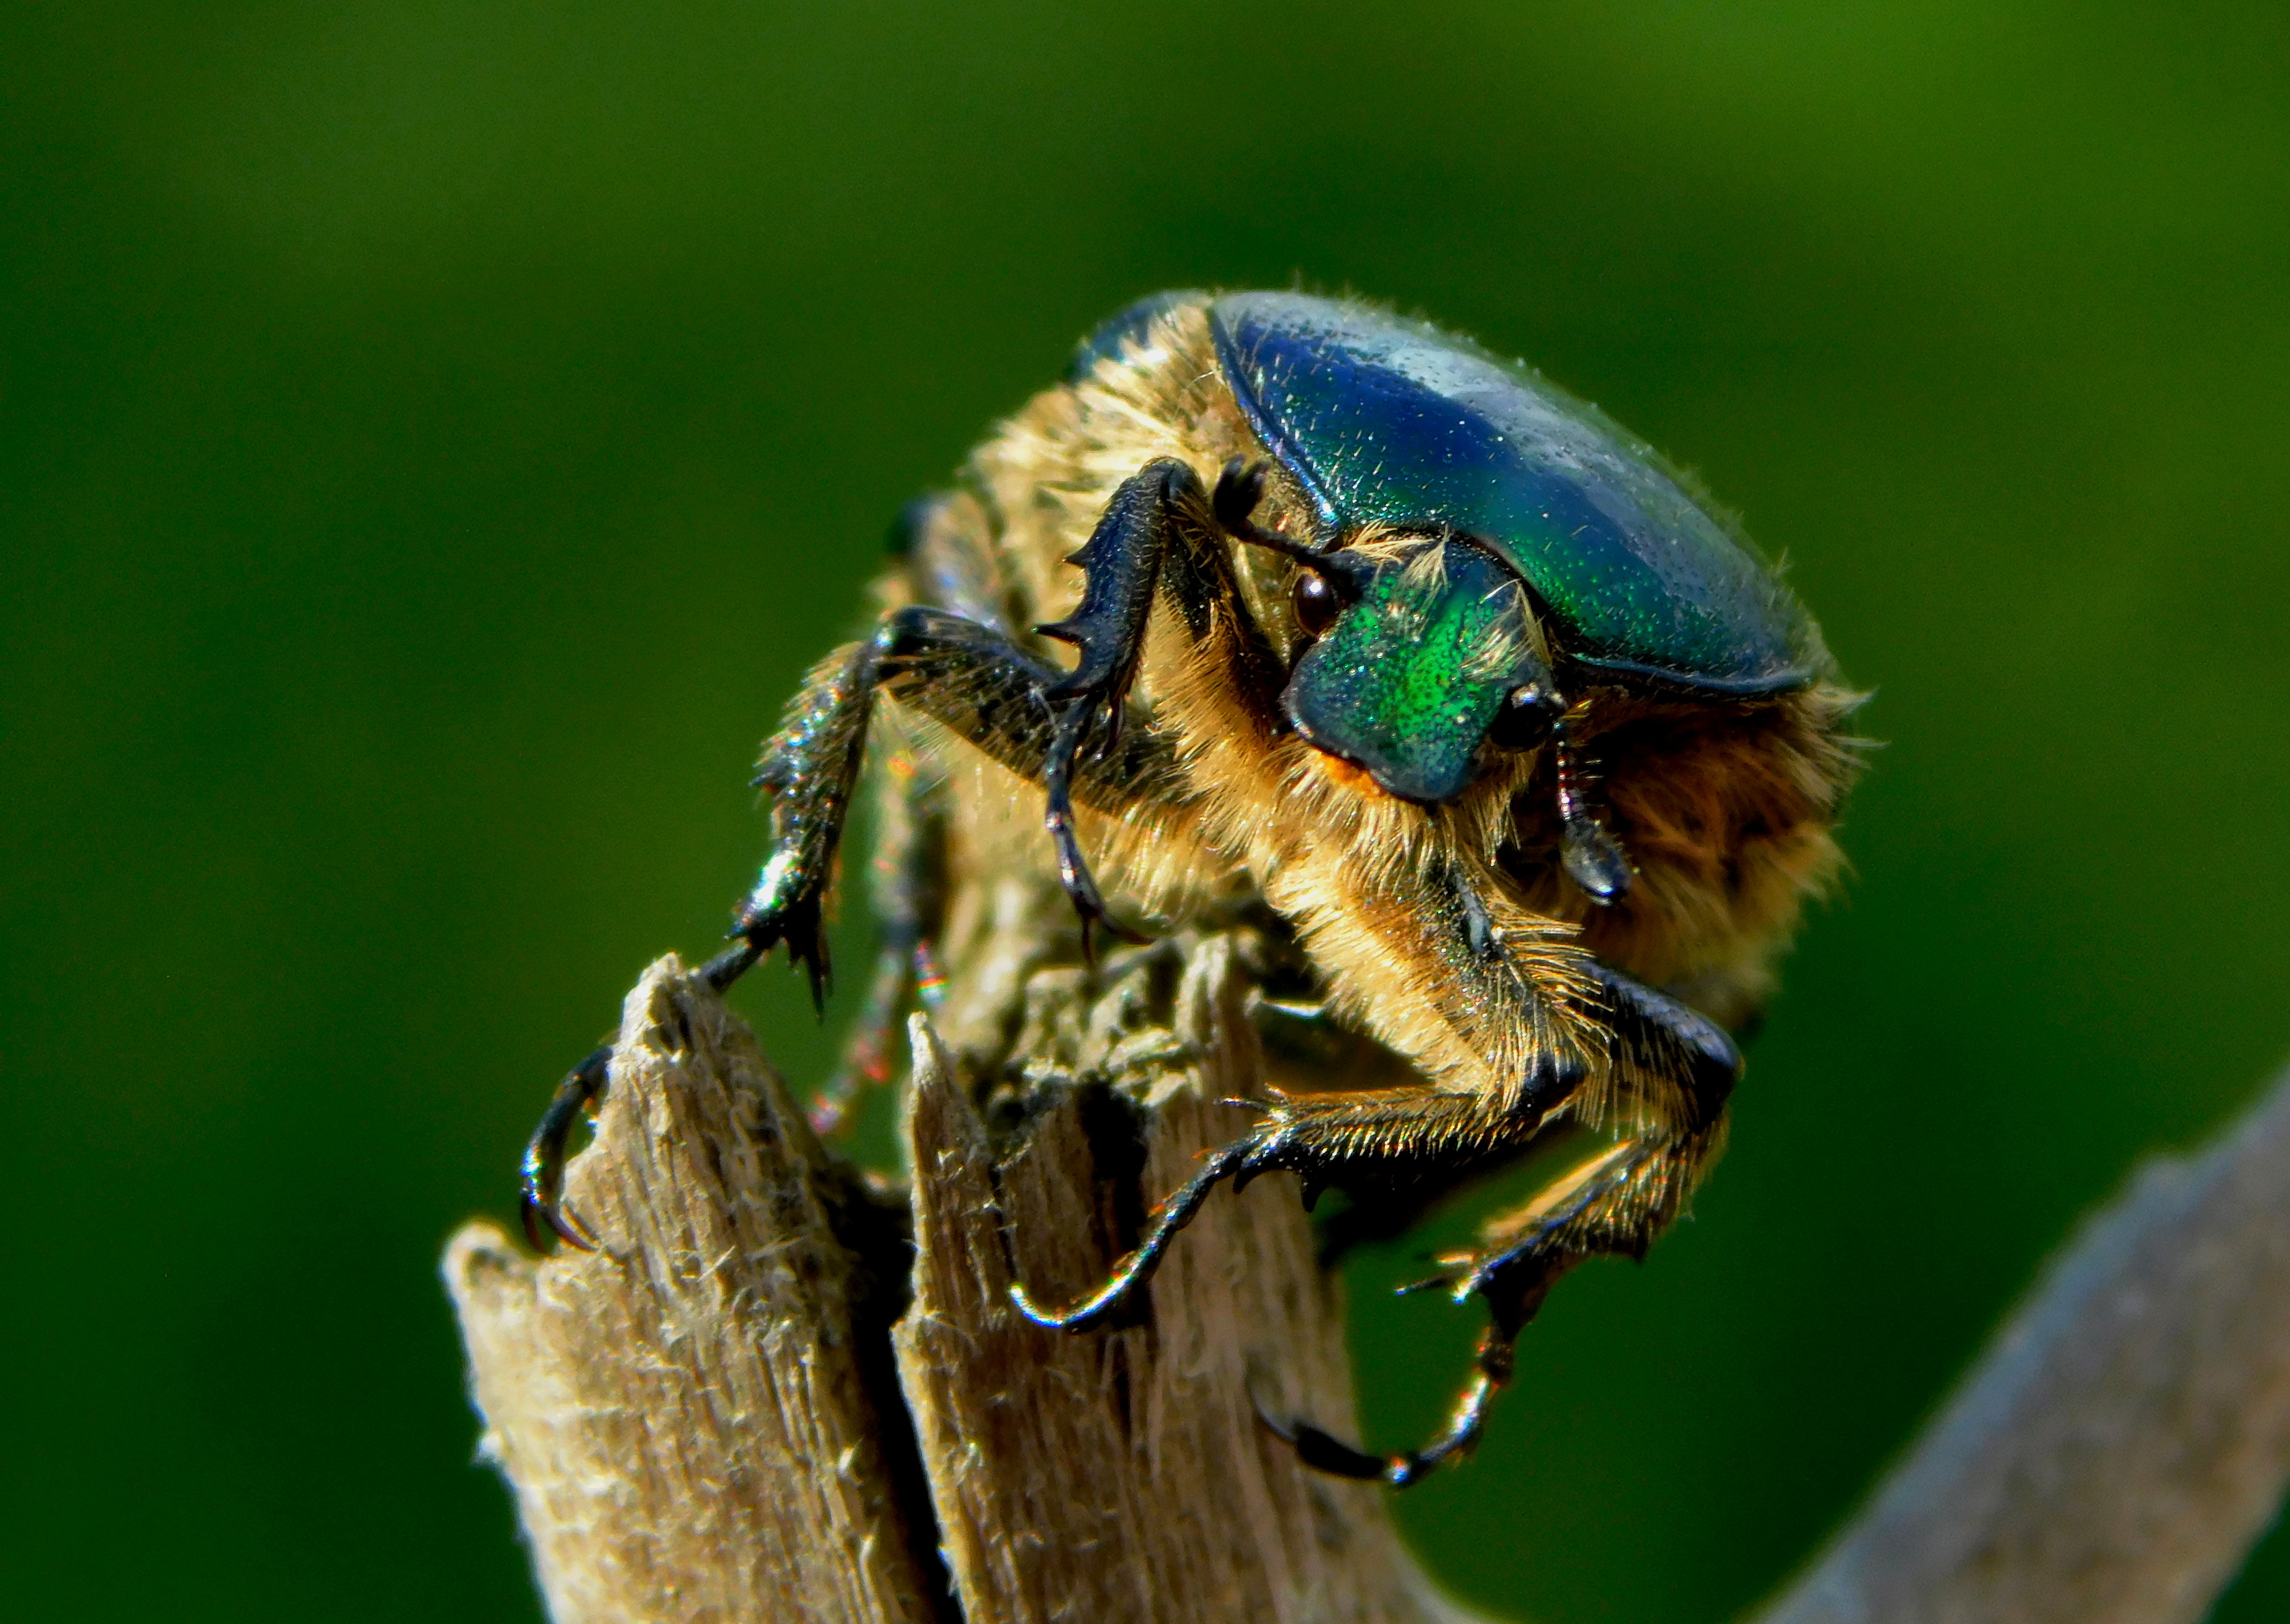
{"x":1671,"y":1068}
{"x":1600,"y":1206}
{"x":1327,"y":1139}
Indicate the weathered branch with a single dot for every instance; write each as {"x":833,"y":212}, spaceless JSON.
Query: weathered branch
{"x":715,"y":1418}
{"x":686,"y":1414}
{"x":694,"y":1431}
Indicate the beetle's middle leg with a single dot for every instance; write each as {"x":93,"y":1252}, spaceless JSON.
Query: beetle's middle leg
{"x":1668,"y":1072}
{"x":906,"y":888}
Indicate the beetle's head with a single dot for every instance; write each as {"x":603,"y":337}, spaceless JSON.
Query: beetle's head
{"x":1416,"y":648}
{"x":1421,"y":647}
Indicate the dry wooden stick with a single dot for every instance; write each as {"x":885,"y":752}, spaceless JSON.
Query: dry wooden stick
{"x":688,"y":1417}
{"x":701,"y":1422}
{"x":686,"y":1414}
{"x":1124,"y":1475}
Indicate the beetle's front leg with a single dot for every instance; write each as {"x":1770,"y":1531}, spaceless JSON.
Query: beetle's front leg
{"x":542,"y":1188}
{"x":1123,"y":566}
{"x":810,"y":767}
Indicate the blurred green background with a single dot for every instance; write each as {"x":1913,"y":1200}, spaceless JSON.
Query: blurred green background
{"x":434,"y":437}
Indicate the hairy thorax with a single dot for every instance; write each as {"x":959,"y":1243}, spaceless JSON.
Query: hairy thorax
{"x":1725,"y":807}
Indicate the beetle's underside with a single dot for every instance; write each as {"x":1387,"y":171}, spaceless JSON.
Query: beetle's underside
{"x":1467,"y":938}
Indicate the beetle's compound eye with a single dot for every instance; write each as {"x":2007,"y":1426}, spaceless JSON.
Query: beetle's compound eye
{"x":1526,"y":718}
{"x":1318,"y":603}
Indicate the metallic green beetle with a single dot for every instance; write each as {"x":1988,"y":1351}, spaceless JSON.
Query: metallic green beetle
{"x":1516,"y":745}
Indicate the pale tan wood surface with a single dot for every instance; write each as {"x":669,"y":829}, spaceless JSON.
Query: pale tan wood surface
{"x":700,"y":1421}
{"x":683,"y":1413}
{"x":1123,"y":1474}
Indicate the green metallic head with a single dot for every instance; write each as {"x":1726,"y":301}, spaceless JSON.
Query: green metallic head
{"x":1433,"y":644}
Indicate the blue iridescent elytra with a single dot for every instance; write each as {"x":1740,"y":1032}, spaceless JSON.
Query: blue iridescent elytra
{"x":1389,"y":421}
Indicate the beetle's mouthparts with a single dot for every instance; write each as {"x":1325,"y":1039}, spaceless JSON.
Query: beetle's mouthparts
{"x":1345,"y":775}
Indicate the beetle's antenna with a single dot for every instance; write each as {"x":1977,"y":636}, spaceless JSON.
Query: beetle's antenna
{"x":1239,"y":489}
{"x":1591,"y":856}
